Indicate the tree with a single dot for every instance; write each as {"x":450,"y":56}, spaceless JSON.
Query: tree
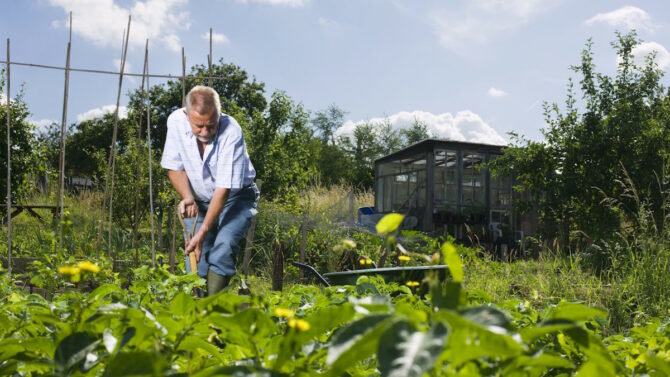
{"x":24,"y":148}
{"x":619,"y":131}
{"x":328,"y":121}
{"x":417,"y":132}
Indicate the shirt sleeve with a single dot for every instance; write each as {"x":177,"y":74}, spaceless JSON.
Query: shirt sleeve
{"x":233,"y":163}
{"x":171,"y":157}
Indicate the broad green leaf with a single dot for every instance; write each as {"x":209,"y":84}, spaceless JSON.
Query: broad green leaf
{"x":102,"y":291}
{"x":539,"y":362}
{"x":389,"y":223}
{"x":403,"y":352}
{"x":193,"y":343}
{"x":574,"y":311}
{"x":487,"y":316}
{"x":238,"y":371}
{"x":139,"y":363}
{"x":356,"y":342}
{"x":73,"y":349}
{"x":453,"y":261}
{"x":596,"y":366}
{"x":182,"y":305}
{"x":551,"y":326}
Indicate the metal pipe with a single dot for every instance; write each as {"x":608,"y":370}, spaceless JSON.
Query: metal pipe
{"x":313,"y":271}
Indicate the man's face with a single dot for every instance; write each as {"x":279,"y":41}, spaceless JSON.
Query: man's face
{"x":203,"y":125}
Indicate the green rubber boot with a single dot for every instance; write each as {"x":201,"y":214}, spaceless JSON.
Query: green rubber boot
{"x":216,"y":282}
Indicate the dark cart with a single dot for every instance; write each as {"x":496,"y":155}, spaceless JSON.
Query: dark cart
{"x":390,"y":274}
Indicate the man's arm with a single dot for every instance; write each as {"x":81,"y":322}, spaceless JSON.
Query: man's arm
{"x":180,"y":183}
{"x":215,"y":207}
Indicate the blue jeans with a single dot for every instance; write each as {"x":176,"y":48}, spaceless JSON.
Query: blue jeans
{"x":223,"y":241}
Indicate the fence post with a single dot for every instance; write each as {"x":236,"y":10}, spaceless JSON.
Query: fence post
{"x":351,"y":207}
{"x":250,"y":238}
{"x":303,"y":246}
{"x":278,"y":268}
{"x":9,"y":176}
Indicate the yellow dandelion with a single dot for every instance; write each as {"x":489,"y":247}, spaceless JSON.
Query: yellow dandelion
{"x":363,"y":261}
{"x":299,"y":324}
{"x":86,"y":266}
{"x":412,"y":284}
{"x":404,"y":258}
{"x":368,"y":262}
{"x":68,"y":270}
{"x":284,"y":313}
{"x":349,"y":243}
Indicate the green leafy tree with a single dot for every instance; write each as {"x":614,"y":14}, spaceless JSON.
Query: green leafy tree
{"x":24,"y":149}
{"x":618,"y":131}
{"x":417,"y":132}
{"x":328,"y":121}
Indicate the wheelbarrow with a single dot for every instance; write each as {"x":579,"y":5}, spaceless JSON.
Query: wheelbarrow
{"x":389,"y":274}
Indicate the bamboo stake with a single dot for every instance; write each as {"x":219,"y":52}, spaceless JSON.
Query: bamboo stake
{"x":139,"y":150}
{"x":9,"y":175}
{"x":63,"y":130}
{"x":151,"y":187}
{"x":183,"y":78}
{"x":209,"y":58}
{"x":113,"y":150}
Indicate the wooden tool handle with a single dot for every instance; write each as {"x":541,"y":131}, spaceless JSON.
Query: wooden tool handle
{"x":194,"y":264}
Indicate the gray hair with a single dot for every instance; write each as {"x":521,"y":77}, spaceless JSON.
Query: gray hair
{"x":203,"y":100}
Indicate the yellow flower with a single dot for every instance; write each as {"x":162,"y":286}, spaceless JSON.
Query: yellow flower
{"x":365,"y":262}
{"x":412,"y":284}
{"x":285,"y":313}
{"x":404,"y":258}
{"x":389,"y":223}
{"x":299,"y":324}
{"x":68,"y":270}
{"x":349,"y":243}
{"x":368,"y":262}
{"x":362,"y":261}
{"x":87,"y":266}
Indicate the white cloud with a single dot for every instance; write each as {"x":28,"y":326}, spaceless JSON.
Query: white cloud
{"x":493,"y":92}
{"x":482,"y":20}
{"x":287,"y":3}
{"x":629,"y":17}
{"x":641,"y":51}
{"x":326,"y":23}
{"x":99,"y":112}
{"x":464,"y":126}
{"x":216,"y":38}
{"x":42,"y":125}
{"x":126,"y":69}
{"x":102,"y":21}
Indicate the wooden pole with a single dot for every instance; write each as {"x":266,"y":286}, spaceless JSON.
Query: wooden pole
{"x":250,"y":238}
{"x":351,"y":208}
{"x":9,"y":174}
{"x":63,"y":134}
{"x":209,"y":58}
{"x":303,"y":245}
{"x":139,"y":151}
{"x":112,"y":151}
{"x":183,"y":78}
{"x":151,"y":187}
{"x":173,"y":243}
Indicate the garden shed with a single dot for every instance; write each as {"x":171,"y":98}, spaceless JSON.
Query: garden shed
{"x":442,"y":185}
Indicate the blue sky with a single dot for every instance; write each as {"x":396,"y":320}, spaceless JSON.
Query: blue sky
{"x":473,"y":70}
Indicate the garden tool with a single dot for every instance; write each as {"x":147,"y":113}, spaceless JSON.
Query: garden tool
{"x":189,"y":235}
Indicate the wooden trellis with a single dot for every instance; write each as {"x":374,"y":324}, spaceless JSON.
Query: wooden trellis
{"x":109,"y":173}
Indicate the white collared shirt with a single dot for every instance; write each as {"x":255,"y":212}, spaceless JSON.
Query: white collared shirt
{"x":224,"y":164}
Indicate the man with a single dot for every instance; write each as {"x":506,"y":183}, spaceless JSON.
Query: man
{"x":208,"y":165}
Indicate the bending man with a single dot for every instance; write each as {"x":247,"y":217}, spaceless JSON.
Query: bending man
{"x":208,"y":165}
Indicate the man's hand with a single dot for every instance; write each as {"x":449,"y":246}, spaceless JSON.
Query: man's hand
{"x":188,"y":208}
{"x":196,"y":244}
